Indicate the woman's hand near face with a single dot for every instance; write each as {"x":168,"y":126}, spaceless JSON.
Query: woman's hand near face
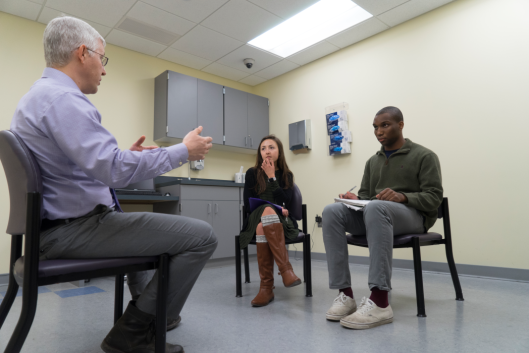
{"x":285,"y":212}
{"x":269,"y":168}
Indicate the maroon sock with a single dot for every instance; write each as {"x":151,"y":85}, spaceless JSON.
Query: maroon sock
{"x":347,"y":291}
{"x":379,"y":297}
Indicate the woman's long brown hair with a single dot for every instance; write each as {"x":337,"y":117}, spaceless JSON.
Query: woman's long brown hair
{"x":260,"y":186}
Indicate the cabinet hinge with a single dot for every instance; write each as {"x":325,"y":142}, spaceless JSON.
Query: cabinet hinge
{"x":167,"y":129}
{"x":223,"y":90}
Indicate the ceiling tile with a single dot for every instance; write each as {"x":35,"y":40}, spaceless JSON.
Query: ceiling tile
{"x":277,"y":69}
{"x":160,"y":18}
{"x":241,"y":20}
{"x":196,"y":10}
{"x":206,"y":43}
{"x":253,"y":80}
{"x":284,"y":9}
{"x":377,"y":7}
{"x":262,"y":59}
{"x":410,"y":10}
{"x":21,"y":8}
{"x":135,"y":43}
{"x":225,"y":71}
{"x":356,"y":33}
{"x":48,"y":14}
{"x":185,"y":59}
{"x":312,"y":53}
{"x":105,"y":12}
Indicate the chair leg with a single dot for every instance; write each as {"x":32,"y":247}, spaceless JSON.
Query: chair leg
{"x":238,"y":283}
{"x":453,"y":272}
{"x":12,"y":289}
{"x":307,"y":265}
{"x":161,"y":304}
{"x":118,"y":299}
{"x":31,"y":273}
{"x":246,"y":266}
{"x":419,"y":290}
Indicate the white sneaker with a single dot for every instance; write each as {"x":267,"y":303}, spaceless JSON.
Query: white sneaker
{"x":341,"y":307}
{"x":368,"y":315}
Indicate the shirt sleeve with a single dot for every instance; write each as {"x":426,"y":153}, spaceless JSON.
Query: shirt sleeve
{"x":74,"y":124}
{"x":363,"y":193}
{"x":430,"y":183}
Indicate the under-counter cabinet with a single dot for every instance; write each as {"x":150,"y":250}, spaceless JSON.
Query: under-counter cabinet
{"x":217,"y":205}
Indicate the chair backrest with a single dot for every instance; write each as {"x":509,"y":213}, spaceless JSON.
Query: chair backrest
{"x":441,"y":208}
{"x":23,"y":176}
{"x":296,"y":203}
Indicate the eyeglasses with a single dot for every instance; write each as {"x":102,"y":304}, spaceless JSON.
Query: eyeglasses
{"x":104,"y":59}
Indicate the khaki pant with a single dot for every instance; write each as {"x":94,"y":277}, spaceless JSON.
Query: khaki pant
{"x":380,"y":221}
{"x":105,"y":233}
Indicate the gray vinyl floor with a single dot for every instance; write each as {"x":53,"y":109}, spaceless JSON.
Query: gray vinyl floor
{"x":493,"y":318}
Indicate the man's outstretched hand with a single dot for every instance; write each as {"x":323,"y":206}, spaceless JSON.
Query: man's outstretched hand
{"x":390,"y":195}
{"x":348,"y":195}
{"x":136,"y":146}
{"x":197,"y":146}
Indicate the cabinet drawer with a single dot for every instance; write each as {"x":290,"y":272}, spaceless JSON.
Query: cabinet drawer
{"x":210,"y":193}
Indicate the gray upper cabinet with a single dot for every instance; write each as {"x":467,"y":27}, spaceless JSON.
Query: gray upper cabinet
{"x":257,"y":119}
{"x":236,"y":120}
{"x":210,"y":110}
{"x":181,"y":104}
{"x":236,"y":117}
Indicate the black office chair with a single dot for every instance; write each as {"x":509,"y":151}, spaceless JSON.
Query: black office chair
{"x":25,"y":193}
{"x":299,"y":212}
{"x":415,"y":241}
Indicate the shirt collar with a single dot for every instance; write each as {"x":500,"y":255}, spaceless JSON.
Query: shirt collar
{"x":60,"y":77}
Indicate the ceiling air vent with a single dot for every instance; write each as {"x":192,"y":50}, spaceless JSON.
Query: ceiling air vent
{"x":147,"y":31}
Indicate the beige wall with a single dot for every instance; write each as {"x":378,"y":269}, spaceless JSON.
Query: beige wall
{"x":459,"y":74}
{"x":125,"y":100}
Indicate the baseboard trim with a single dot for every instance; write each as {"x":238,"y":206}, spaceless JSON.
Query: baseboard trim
{"x":4,"y":279}
{"x":504,"y":273}
{"x":227,"y":261}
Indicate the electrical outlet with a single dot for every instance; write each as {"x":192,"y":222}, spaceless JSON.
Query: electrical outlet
{"x":318,"y":220}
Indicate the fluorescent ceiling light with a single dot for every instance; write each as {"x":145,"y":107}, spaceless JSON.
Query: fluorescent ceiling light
{"x":312,"y":25}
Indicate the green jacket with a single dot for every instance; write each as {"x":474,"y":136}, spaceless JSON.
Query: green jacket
{"x":413,"y":171}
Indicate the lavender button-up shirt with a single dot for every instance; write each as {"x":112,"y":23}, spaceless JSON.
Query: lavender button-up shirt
{"x":78,"y":158}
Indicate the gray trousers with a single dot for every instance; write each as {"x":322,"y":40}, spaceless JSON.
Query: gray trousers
{"x":380,"y":222}
{"x":106,"y":233}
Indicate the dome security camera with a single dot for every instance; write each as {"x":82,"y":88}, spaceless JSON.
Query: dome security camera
{"x":249,"y":63}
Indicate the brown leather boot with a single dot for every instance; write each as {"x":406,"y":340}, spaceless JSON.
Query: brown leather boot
{"x":265,"y":260}
{"x":276,"y":240}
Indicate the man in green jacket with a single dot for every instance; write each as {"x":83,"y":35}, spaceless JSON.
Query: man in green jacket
{"x":403,"y":180}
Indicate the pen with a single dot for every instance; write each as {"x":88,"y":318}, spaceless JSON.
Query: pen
{"x":352,"y":188}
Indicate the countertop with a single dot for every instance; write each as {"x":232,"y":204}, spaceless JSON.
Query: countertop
{"x":167,"y":181}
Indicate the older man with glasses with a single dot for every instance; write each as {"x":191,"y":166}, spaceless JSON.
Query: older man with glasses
{"x":79,"y":160}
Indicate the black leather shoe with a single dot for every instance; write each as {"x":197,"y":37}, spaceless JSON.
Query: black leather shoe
{"x":172,"y":323}
{"x":134,"y":333}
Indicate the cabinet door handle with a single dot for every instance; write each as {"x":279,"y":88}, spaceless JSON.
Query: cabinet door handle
{"x":209,"y":205}
{"x":246,"y":141}
{"x":216,"y":208}
{"x":251,"y":142}
{"x":180,"y":207}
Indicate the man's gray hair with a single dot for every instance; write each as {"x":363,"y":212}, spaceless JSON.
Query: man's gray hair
{"x":65,"y":34}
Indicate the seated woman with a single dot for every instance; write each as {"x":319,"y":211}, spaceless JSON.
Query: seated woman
{"x":270,"y":180}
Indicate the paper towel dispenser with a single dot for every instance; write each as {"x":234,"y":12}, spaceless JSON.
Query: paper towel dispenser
{"x":299,"y":135}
